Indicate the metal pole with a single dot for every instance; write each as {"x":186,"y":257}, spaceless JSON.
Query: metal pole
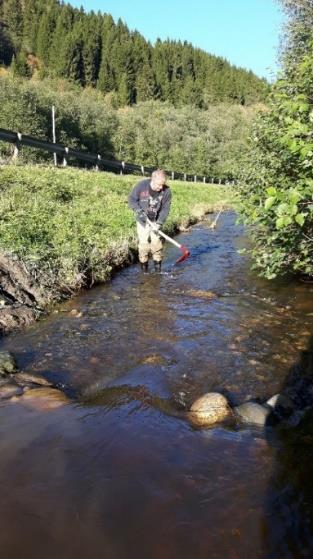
{"x":53,"y":134}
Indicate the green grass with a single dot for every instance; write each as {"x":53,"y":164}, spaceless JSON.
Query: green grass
{"x":74,"y":226}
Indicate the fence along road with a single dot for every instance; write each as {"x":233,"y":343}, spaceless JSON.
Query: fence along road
{"x":65,"y":153}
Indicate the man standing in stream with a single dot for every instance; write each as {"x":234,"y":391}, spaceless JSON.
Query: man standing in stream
{"x":150,"y":199}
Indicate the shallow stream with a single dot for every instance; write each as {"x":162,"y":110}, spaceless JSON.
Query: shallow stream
{"x":120,"y":472}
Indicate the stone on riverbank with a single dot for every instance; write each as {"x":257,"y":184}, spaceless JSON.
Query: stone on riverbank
{"x":7,"y":363}
{"x":280,"y":402}
{"x":209,"y":409}
{"x":251,"y":412}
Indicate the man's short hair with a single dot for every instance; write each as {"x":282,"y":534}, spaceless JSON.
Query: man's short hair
{"x":158,"y":173}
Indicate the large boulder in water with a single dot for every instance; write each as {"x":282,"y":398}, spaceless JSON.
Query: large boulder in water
{"x":209,"y":409}
{"x":252,"y":412}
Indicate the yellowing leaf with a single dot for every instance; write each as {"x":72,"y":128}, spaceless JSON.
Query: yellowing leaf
{"x":300,"y":218}
{"x":269,"y":202}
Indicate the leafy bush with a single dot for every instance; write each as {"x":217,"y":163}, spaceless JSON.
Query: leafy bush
{"x":277,"y":183}
{"x":205,"y":142}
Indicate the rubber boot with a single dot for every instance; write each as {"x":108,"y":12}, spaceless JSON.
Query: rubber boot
{"x":157,"y":266}
{"x":144,"y":267}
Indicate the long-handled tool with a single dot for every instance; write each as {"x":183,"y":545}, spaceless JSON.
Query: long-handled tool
{"x":184,"y":250}
{"x":214,"y":223}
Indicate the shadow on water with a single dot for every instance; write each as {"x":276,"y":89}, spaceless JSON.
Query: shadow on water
{"x":288,"y":527}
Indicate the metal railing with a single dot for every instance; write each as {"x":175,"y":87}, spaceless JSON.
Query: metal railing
{"x":96,"y":161}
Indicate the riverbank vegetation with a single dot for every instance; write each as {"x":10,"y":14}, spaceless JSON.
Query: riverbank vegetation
{"x":185,"y":139}
{"x":277,"y":183}
{"x":70,"y":228}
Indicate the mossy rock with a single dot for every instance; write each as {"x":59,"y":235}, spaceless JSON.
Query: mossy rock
{"x":7,"y":363}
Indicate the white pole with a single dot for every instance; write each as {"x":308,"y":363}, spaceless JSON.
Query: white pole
{"x":53,"y":134}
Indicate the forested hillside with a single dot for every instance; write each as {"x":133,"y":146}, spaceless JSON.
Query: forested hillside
{"x":47,"y":38}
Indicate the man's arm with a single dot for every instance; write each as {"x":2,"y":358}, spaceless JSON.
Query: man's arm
{"x":165,"y":208}
{"x":133,"y":203}
{"x":133,"y":198}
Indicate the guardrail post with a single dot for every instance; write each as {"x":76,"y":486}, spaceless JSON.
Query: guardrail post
{"x":123,"y":167}
{"x":17,"y":146}
{"x":97,"y":166}
{"x":54,"y":136}
{"x":64,"y":158}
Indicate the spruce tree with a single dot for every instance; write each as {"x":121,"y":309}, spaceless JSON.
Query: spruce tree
{"x":31,"y":18}
{"x":91,"y":50}
{"x":6,"y":46}
{"x":106,"y":80}
{"x":59,"y":43}
{"x":145,"y":85}
{"x":13,"y":19}
{"x":45,"y":32}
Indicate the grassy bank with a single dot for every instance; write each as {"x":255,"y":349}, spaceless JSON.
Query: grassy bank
{"x":70,"y":227}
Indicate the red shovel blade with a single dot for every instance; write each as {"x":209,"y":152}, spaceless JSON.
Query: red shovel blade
{"x":184,"y":256}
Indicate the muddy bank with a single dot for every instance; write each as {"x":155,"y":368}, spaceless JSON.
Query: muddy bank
{"x":21,"y":298}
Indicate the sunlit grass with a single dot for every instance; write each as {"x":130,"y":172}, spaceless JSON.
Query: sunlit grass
{"x":75,"y":225}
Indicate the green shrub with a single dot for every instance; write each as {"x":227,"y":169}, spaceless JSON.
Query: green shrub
{"x":277,"y":184}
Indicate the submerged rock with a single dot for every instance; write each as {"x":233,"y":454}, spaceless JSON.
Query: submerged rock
{"x":153,"y":359}
{"x":209,"y":409}
{"x":29,"y":378}
{"x":7,"y":363}
{"x":201,"y":294}
{"x":9,"y":389}
{"x":44,"y":399}
{"x":251,"y":412}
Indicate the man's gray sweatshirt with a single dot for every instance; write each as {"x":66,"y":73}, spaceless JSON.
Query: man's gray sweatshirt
{"x":156,"y":205}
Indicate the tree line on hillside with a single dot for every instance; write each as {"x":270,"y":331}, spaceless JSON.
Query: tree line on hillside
{"x":186,"y":139}
{"x":277,"y":183}
{"x":54,"y":39}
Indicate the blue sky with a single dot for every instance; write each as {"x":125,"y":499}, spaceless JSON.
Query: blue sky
{"x":245,"y":32}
